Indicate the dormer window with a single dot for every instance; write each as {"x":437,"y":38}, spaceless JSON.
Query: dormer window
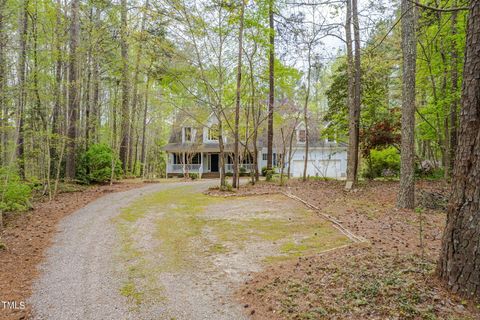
{"x":302,"y":135}
{"x":188,"y":134}
{"x":213,"y":133}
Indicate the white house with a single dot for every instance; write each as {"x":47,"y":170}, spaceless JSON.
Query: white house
{"x":195,"y":149}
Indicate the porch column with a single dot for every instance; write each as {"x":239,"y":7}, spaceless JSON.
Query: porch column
{"x":168,"y":163}
{"x":201,"y":166}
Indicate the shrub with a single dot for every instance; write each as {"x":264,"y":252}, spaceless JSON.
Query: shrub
{"x":269,"y":174}
{"x":14,"y":194}
{"x":383,"y":163}
{"x":96,"y":164}
{"x":193,"y":175}
{"x":264,"y":171}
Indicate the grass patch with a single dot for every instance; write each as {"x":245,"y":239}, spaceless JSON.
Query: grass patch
{"x":180,"y":226}
{"x":130,"y":291}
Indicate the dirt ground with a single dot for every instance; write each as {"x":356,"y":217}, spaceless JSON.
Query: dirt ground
{"x":27,"y":235}
{"x":390,"y":277}
{"x":186,"y":252}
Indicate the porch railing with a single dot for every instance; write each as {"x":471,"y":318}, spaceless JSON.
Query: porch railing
{"x":179,"y":168}
{"x":197,"y":168}
{"x":248,"y":167}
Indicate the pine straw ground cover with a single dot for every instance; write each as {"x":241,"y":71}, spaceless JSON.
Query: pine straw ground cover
{"x":27,"y":236}
{"x":390,"y":277}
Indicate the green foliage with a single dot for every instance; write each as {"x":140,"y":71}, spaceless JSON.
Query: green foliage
{"x":14,"y":194}
{"x":269,"y":174}
{"x":193,"y":175}
{"x":96,"y":164}
{"x":382,"y":163}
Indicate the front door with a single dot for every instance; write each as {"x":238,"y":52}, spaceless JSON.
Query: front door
{"x":214,"y":162}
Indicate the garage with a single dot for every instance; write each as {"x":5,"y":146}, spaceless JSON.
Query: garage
{"x":320,"y":168}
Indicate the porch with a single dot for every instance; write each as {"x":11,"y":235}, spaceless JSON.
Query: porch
{"x":203,"y":164}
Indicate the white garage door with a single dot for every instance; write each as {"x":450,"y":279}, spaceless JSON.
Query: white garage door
{"x":320,"y":168}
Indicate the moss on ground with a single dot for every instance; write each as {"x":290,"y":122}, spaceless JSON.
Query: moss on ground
{"x":187,"y":234}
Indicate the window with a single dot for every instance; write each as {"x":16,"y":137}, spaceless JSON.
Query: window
{"x":264,"y":157}
{"x":277,"y":157}
{"x":177,"y":158}
{"x":302,"y":135}
{"x":213,"y":132}
{"x":195,"y":159}
{"x":188,"y":134}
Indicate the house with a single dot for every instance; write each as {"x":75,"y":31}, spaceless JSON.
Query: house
{"x":194,"y":148}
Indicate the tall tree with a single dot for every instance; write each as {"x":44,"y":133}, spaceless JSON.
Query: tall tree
{"x":236,"y":153}
{"x":3,"y":84}
{"x":73,"y":90}
{"x":271,"y":84}
{"x":459,"y":265}
{"x":355,"y":99}
{"x":57,"y":104}
{"x":135,"y":95}
{"x":125,"y":121}
{"x":22,"y":94}
{"x":454,"y":80}
{"x":406,"y":194}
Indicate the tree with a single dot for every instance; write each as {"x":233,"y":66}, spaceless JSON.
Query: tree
{"x":454,"y":79}
{"x":406,"y":194}
{"x":3,"y":85}
{"x":22,"y":96}
{"x":125,"y":120}
{"x":271,"y":85}
{"x":73,"y":90}
{"x":459,"y":265}
{"x":236,"y":154}
{"x":355,"y":100}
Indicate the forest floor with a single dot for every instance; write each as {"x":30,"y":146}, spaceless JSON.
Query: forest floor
{"x":174,"y":251}
{"x":392,"y":276}
{"x":27,"y":235}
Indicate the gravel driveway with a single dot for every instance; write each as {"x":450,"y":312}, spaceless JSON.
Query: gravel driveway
{"x":166,"y":251}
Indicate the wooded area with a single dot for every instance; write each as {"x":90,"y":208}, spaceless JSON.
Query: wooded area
{"x":90,"y":89}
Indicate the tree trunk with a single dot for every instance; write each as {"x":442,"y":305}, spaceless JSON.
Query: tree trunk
{"x":73,"y":91}
{"x":305,"y":113}
{"x":125,"y":123}
{"x":57,"y":105}
{"x":131,"y":154}
{"x":3,"y":87}
{"x":271,"y":81}
{"x":236,"y":154}
{"x":406,"y":194}
{"x":352,"y":156}
{"x":22,"y":70}
{"x":459,"y":264}
{"x":454,"y":79}
{"x":144,"y":128}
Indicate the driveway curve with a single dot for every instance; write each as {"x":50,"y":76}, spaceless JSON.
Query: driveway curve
{"x":167,"y":251}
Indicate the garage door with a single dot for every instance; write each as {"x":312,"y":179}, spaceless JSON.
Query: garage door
{"x":320,"y":168}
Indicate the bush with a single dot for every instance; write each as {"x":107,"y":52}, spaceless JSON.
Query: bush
{"x":264,"y":171}
{"x":383,"y":163}
{"x":14,"y":194}
{"x":193,"y":175}
{"x":96,"y":164}
{"x":269,"y":174}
